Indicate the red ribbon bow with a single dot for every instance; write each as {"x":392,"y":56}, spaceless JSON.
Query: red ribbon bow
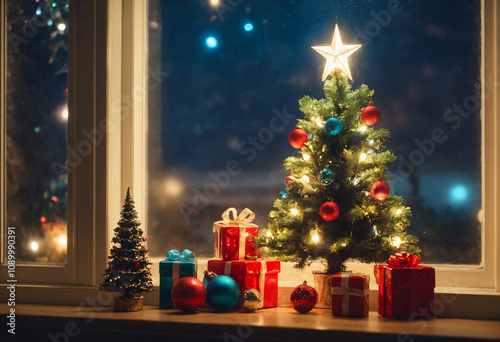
{"x":403,"y":259}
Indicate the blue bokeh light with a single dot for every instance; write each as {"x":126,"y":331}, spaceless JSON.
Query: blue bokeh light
{"x":211,"y":42}
{"x":248,"y":27}
{"x":458,"y":194}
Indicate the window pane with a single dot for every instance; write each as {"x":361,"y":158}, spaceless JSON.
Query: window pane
{"x":37,"y":116}
{"x":229,"y":68}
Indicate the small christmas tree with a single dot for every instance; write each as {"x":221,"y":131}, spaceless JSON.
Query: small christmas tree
{"x":337,"y":204}
{"x":128,"y":271}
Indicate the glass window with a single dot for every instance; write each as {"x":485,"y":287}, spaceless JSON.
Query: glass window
{"x":221,"y":72}
{"x":36,"y":125}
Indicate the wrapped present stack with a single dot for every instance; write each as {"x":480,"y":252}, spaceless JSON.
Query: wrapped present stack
{"x":236,"y":253}
{"x":178,"y":265}
{"x":406,"y":290}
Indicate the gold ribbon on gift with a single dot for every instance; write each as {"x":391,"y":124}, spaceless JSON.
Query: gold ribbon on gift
{"x":244,"y":218}
{"x":227,"y":268}
{"x":262,"y":281}
{"x":346,"y":291}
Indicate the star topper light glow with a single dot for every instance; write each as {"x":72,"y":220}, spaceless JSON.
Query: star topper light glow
{"x":336,"y":55}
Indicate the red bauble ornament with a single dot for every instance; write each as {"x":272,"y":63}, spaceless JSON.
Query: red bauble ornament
{"x":303,"y":298}
{"x":380,"y":190}
{"x":136,"y":264}
{"x":188,"y":294}
{"x":289,"y":180}
{"x":370,"y":115}
{"x":329,"y":211}
{"x":298,"y":137}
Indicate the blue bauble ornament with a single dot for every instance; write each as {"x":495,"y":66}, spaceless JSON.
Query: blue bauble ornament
{"x":223,"y":293}
{"x":326,"y":177}
{"x":333,"y":126}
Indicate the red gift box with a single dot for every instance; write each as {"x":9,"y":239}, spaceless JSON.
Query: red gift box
{"x":236,"y":238}
{"x":405,"y":289}
{"x":350,"y":294}
{"x":261,"y":275}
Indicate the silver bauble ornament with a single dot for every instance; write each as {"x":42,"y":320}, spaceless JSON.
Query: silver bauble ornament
{"x":251,"y":300}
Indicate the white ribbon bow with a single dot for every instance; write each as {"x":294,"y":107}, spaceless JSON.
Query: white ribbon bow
{"x":245,"y":217}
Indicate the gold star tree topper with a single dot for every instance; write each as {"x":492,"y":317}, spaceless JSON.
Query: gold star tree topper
{"x":336,"y":55}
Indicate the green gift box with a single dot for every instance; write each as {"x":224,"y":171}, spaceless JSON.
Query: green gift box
{"x":176,"y":266}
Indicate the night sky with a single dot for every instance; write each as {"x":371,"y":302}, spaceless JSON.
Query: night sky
{"x":422,"y":61}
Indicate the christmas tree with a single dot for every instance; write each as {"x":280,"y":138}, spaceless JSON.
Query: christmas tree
{"x":337,"y":204}
{"x":128,"y":271}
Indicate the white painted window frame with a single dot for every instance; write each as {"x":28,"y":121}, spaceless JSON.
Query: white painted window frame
{"x":108,"y":84}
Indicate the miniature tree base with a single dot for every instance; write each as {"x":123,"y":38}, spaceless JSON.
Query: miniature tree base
{"x":130,"y":304}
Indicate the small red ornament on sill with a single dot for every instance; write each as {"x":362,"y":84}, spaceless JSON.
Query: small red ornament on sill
{"x":188,"y":294}
{"x":303,"y":298}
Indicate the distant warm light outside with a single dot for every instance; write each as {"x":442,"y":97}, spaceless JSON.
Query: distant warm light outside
{"x":34,"y":246}
{"x":214,"y":3}
{"x":65,"y":114}
{"x":211,"y":42}
{"x":62,"y":240}
{"x":173,"y":187}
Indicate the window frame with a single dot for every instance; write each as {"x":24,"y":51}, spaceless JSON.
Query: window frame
{"x":87,"y":95}
{"x":108,"y":78}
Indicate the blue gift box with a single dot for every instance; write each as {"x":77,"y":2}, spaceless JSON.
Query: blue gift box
{"x":178,"y":265}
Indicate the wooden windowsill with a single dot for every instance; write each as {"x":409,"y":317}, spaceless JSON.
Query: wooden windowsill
{"x":37,"y":322}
